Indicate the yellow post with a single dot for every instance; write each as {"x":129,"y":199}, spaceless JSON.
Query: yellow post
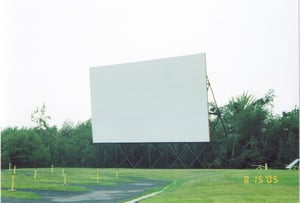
{"x":51,"y":168}
{"x":35,"y":173}
{"x":63,"y":172}
{"x":14,"y":169}
{"x":65,"y":179}
{"x":117,"y":174}
{"x":12,"y":182}
{"x":266,"y":166}
{"x":9,"y":167}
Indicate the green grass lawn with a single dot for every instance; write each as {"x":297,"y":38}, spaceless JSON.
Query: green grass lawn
{"x":230,"y":186}
{"x":195,"y":185}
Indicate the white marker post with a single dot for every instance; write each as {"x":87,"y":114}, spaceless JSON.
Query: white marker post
{"x":65,"y":178}
{"x":35,"y":173}
{"x":98,"y":175}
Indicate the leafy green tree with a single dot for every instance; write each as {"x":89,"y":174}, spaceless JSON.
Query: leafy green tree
{"x":40,"y":118}
{"x":246,"y":118}
{"x":85,"y":144}
{"x":252,"y":135}
{"x":23,"y":147}
{"x":289,"y":137}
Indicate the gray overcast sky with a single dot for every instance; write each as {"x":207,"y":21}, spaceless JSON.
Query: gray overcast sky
{"x":251,"y":45}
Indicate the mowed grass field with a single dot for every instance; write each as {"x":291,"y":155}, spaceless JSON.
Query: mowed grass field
{"x":182,"y":185}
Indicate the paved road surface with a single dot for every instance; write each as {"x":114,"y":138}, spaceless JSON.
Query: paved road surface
{"x":105,"y":194}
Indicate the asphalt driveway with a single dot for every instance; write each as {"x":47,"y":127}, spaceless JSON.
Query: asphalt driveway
{"x":105,"y":194}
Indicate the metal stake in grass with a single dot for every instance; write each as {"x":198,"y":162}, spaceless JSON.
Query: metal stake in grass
{"x":117,"y":174}
{"x":35,"y":173}
{"x":15,"y":169}
{"x":9,"y":167}
{"x":51,"y":168}
{"x":65,"y":178}
{"x":98,"y":175}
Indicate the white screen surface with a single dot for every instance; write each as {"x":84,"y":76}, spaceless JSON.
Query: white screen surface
{"x":162,"y":100}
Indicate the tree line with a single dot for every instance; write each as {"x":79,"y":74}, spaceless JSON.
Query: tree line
{"x":243,"y":132}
